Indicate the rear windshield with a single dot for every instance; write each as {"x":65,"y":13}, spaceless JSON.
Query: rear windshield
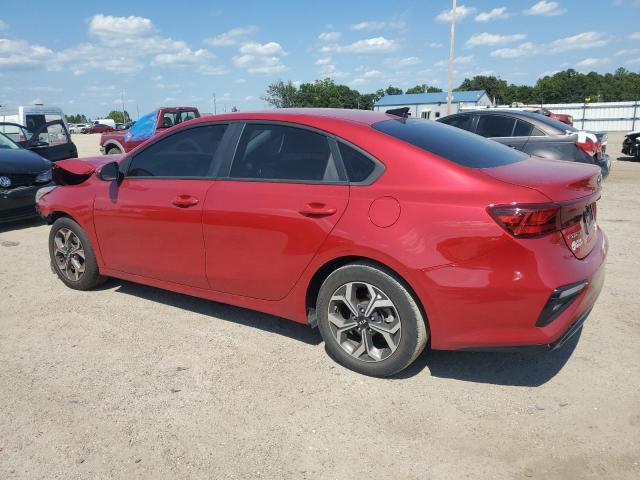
{"x":557,"y":124}
{"x":451,"y":143}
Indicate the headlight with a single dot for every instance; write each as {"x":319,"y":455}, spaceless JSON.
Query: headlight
{"x":44,"y":177}
{"x":43,"y":191}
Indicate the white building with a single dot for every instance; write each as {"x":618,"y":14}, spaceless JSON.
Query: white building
{"x":432,"y":105}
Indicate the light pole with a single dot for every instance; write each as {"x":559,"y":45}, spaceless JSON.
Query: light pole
{"x":215,"y":108}
{"x":451,"y":49}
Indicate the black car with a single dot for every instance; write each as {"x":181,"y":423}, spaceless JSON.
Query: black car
{"x":535,"y":134}
{"x":22,"y":173}
{"x":631,"y":144}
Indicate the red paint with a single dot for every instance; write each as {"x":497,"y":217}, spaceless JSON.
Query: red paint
{"x":258,"y":244}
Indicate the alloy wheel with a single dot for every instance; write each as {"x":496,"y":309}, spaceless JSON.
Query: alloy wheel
{"x":364,"y":321}
{"x":69,"y":254}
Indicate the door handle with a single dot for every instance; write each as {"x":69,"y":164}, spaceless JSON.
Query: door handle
{"x":185,"y":201}
{"x":317,"y":210}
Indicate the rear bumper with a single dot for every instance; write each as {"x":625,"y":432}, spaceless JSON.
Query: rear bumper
{"x":496,"y":302}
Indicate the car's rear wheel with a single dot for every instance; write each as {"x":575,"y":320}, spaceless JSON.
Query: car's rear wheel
{"x":72,"y":256}
{"x":369,"y":321}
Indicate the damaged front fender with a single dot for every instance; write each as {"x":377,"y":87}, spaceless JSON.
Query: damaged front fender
{"x":75,"y":171}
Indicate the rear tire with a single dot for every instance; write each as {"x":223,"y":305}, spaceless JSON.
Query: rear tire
{"x":72,"y":257}
{"x":114,"y":151}
{"x":369,"y":321}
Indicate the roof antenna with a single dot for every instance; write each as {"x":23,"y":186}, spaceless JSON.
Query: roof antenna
{"x":399,"y":112}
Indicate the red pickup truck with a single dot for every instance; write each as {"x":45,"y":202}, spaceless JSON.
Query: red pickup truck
{"x":121,"y":141}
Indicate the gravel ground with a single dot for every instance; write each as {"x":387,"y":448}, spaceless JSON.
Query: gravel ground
{"x":130,"y":381}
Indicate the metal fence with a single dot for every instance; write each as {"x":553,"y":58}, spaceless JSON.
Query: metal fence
{"x":604,"y":116}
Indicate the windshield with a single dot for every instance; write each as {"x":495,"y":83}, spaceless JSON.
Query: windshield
{"x":451,"y":143}
{"x":6,"y":143}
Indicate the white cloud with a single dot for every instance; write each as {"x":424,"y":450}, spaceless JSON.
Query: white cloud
{"x":434,"y":45}
{"x":331,"y":71}
{"x":21,"y":55}
{"x":254,"y":48}
{"x":323,"y":61}
{"x":373,"y":74}
{"x":463,"y":60}
{"x":547,"y":9}
{"x":627,"y":51}
{"x":519,"y":51}
{"x":377,"y":25}
{"x":579,"y":41}
{"x":182,"y":58}
{"x":156,"y":78}
{"x":494,"y":14}
{"x":633,"y":61}
{"x":461,"y":12}
{"x":329,"y":36}
{"x":232,"y":37}
{"x":407,"y":61}
{"x":634,"y":36}
{"x":3,"y":25}
{"x":211,"y":70}
{"x":109,"y":28}
{"x":250,"y":98}
{"x":369,"y":45}
{"x":592,"y":62}
{"x":490,"y":39}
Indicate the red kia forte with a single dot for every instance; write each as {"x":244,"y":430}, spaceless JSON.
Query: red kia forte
{"x":383,"y":232}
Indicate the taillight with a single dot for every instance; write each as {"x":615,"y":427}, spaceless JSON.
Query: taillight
{"x":589,"y":147}
{"x":526,"y":221}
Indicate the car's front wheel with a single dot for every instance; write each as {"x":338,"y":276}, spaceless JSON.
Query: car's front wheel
{"x":72,"y":256}
{"x":113,"y":151}
{"x":369,"y":321}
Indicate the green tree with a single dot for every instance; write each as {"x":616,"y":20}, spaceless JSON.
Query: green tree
{"x":424,"y":88}
{"x":391,"y":90}
{"x":495,"y":87}
{"x":234,"y":109}
{"x":77,"y":118}
{"x":282,"y":95}
{"x":118,"y":117}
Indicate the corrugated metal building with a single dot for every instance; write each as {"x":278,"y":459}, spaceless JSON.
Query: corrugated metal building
{"x":432,"y":105}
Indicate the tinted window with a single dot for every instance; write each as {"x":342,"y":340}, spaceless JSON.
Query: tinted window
{"x":358,"y":165}
{"x":278,"y":152}
{"x":495,"y":126}
{"x":556,"y":125}
{"x":187,"y":153}
{"x":523,"y":129}
{"x":537,"y":132}
{"x":459,"y":121}
{"x":452,"y":144}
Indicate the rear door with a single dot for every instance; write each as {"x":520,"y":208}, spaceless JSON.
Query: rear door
{"x":503,"y":129}
{"x":265,"y":221}
{"x":151,"y":223}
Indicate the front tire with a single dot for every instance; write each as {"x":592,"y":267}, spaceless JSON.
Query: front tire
{"x":72,"y":257}
{"x":113,"y":151}
{"x":369,"y":320}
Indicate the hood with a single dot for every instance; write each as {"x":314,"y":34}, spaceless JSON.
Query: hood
{"x":75,"y":171}
{"x":560,"y":181}
{"x":22,"y":161}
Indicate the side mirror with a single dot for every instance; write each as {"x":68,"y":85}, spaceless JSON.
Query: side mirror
{"x":110,"y":172}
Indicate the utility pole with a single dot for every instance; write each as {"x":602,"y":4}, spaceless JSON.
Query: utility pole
{"x":124,"y":120}
{"x":215,"y":108}
{"x":451,"y":57}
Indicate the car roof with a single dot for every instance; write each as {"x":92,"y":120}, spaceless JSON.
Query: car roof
{"x":547,"y":124}
{"x":305,"y":115}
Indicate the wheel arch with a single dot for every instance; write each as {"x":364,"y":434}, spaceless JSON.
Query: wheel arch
{"x":113,"y":143}
{"x":321,"y":274}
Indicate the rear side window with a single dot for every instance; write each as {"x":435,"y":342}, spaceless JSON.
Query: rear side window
{"x":280,"y":152}
{"x":453,"y":144}
{"x":495,"y":126}
{"x":186,"y":153}
{"x":359,"y":167}
{"x":460,"y":121}
{"x":523,"y":129}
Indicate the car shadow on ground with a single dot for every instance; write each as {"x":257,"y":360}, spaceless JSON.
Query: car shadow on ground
{"x":522,"y":369}
{"x":220,"y":311}
{"x":629,"y":159}
{"x":21,"y":224}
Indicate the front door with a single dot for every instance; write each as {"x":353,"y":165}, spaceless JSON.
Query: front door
{"x":265,"y":222}
{"x":151,"y":223}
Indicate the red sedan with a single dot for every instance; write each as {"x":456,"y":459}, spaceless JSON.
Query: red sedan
{"x":381,"y":231}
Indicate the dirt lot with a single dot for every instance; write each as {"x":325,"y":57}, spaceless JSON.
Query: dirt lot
{"x":133,"y":382}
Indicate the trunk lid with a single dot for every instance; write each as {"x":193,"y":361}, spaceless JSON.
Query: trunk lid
{"x":573,"y":190}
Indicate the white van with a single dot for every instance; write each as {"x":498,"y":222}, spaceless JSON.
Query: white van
{"x":32,"y":116}
{"x":106,"y":121}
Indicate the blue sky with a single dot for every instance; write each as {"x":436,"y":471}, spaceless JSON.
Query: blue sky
{"x":81,"y":55}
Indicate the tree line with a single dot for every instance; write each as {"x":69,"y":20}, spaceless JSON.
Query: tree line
{"x":116,"y":115}
{"x":567,"y":86}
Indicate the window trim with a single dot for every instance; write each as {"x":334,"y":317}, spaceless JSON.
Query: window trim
{"x":214,"y":167}
{"x":225,"y":170}
{"x":377,"y":172}
{"x":515,"y":120}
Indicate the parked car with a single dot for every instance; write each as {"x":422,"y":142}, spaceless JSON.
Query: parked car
{"x":564,"y":118}
{"x":535,"y":135}
{"x":22,"y":173}
{"x":631,"y":144}
{"x":145,"y":128}
{"x":32,"y":116}
{"x":382,"y":231}
{"x":77,"y":127}
{"x":51,"y":140}
{"x":98,"y":128}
